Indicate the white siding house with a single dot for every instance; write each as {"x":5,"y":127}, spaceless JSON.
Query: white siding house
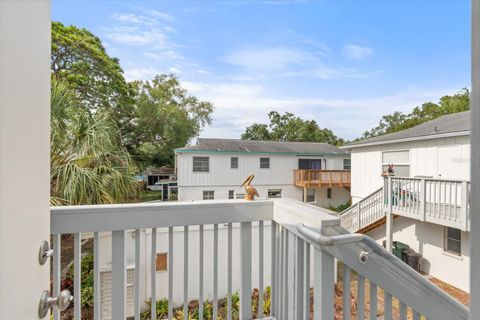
{"x":437,"y":151}
{"x":215,"y":169}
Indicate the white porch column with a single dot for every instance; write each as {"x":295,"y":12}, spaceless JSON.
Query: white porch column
{"x":389,"y":216}
{"x":475,"y":166}
{"x":24,"y":155}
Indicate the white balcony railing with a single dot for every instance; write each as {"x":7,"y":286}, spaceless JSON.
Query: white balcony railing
{"x":299,"y":249}
{"x":439,"y":201}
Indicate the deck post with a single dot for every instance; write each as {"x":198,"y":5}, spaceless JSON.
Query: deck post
{"x":423,"y":199}
{"x":475,"y":164}
{"x":389,"y":217}
{"x":305,"y":194}
{"x":324,"y":279}
{"x":464,"y":206}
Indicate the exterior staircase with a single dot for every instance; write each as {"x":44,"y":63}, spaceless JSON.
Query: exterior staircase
{"x":365,"y":215}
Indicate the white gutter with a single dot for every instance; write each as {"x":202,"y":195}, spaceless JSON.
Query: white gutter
{"x":419,"y":138}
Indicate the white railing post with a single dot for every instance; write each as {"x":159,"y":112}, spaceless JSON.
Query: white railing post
{"x":423,"y":199}
{"x":359,"y":215}
{"x":324,"y":279}
{"x":389,"y":217}
{"x":245,"y":270}
{"x":464,"y":206}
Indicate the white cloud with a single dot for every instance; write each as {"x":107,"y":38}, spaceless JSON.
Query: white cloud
{"x":238,"y":105}
{"x":268,"y":59}
{"x":137,"y":37}
{"x":140,"y":73}
{"x":357,"y":52}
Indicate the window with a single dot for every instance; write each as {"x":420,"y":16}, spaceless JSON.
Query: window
{"x":240,"y":196}
{"x":309,"y":164}
{"x":264,"y":163}
{"x":347,"y":164}
{"x":453,"y":240}
{"x":161,"y":262}
{"x":400,"y":161}
{"x":329,"y":193}
{"x":208,"y":195}
{"x":231,"y":194}
{"x":234,"y":163}
{"x":310,"y":195}
{"x":200,"y":164}
{"x":274,"y":193}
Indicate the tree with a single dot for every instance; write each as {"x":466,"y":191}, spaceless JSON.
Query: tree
{"x":80,"y":60}
{"x":87,"y":164}
{"x":288,"y":127}
{"x":166,"y":117}
{"x":428,"y":111}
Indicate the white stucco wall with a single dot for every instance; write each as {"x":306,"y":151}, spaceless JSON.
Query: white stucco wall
{"x":439,"y":158}
{"x":428,"y":239}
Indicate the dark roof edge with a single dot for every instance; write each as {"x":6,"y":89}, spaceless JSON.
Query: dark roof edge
{"x":418,"y":138}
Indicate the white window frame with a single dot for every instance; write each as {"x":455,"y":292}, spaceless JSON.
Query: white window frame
{"x":274,"y":191}
{"x":264,"y":158}
{"x":349,"y":164}
{"x":445,"y":242}
{"x":207,"y":197}
{"x":198,"y":168}
{"x":232,"y":162}
{"x":231,"y":194}
{"x":314,"y":195}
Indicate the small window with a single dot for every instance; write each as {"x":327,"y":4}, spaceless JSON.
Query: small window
{"x":310,"y":195}
{"x":400,"y":161}
{"x":240,"y":196}
{"x":264,"y":163}
{"x":208,"y":195}
{"x":200,"y":164}
{"x":453,"y":240}
{"x":329,"y":193}
{"x":231,"y":194}
{"x":234,"y":163}
{"x":274,"y":193}
{"x":161,"y":262}
{"x":347,"y":164}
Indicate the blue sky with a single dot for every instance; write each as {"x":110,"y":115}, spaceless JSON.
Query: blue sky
{"x":341,"y":63}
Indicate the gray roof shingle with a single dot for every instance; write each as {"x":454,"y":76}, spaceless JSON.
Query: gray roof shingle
{"x":451,"y":123}
{"x":253,"y":146}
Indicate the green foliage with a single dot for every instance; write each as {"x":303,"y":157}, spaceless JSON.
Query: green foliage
{"x":161,"y":306}
{"x":87,"y":164}
{"x":341,"y":207}
{"x":398,"y":121}
{"x":288,"y":127}
{"x":87,"y":278}
{"x":166,"y":117}
{"x":81,"y":61}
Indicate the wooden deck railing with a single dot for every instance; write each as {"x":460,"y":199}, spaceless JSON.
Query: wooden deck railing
{"x":321,"y":178}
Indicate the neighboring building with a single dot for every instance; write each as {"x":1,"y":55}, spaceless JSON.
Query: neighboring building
{"x":162,"y":179}
{"x":433,"y":204}
{"x":318,"y":173}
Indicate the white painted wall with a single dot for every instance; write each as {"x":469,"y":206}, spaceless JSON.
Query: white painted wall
{"x":24,"y":155}
{"x":445,"y":158}
{"x":222,"y":178}
{"x":428,"y":239}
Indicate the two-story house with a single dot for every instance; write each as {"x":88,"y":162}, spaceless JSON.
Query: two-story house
{"x":429,"y":193}
{"x":317,"y":173}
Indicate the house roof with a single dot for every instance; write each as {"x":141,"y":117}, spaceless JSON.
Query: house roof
{"x":159,"y":170}
{"x":454,"y":124}
{"x":261,"y":147}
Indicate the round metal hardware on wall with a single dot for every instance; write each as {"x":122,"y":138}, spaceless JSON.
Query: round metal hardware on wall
{"x":44,"y":253}
{"x":46,"y":302}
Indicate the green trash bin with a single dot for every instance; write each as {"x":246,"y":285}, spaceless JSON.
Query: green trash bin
{"x":398,"y":248}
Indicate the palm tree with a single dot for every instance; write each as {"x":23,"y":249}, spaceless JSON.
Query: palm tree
{"x":87,"y":164}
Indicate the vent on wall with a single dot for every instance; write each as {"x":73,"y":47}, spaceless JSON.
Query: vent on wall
{"x":106,"y":294}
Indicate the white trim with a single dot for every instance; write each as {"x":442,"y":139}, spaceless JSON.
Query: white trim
{"x":420,"y":138}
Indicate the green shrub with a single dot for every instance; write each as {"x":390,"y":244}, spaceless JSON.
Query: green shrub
{"x":162,"y":309}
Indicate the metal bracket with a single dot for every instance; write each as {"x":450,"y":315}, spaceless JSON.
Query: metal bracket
{"x":44,"y":253}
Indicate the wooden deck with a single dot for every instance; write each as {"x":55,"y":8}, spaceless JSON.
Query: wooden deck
{"x":321,"y":178}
